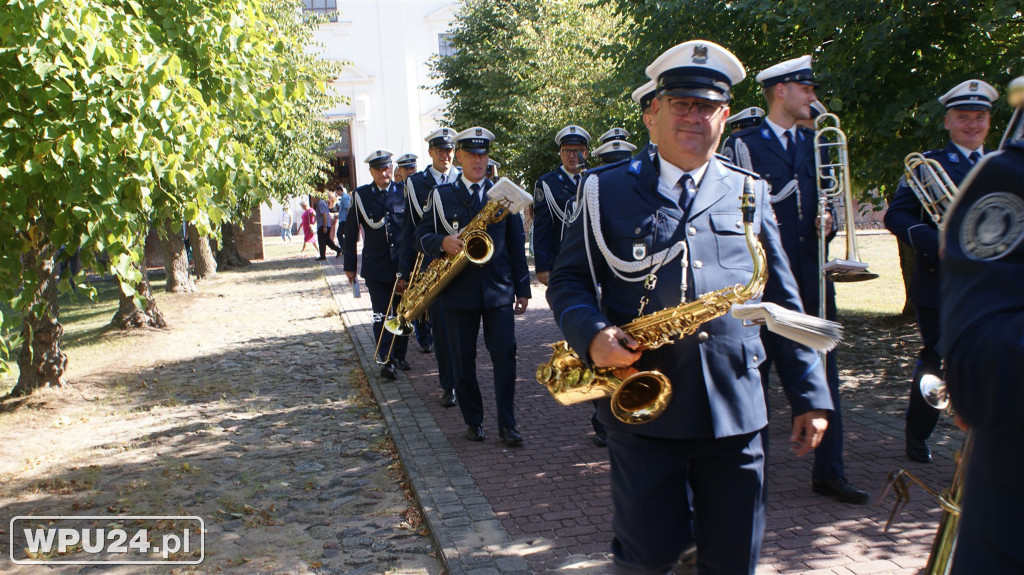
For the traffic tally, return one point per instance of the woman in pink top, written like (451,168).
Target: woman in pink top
(307,222)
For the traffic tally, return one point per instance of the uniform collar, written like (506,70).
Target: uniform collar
(566,172)
(778,130)
(437,175)
(668,178)
(967,153)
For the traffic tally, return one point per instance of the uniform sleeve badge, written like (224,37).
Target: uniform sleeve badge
(993,226)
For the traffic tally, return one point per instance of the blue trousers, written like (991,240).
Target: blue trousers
(500,341)
(380,296)
(442,348)
(649,477)
(921,417)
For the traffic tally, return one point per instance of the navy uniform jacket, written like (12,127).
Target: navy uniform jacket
(548,226)
(381,246)
(758,150)
(498,282)
(715,378)
(982,314)
(418,187)
(908,221)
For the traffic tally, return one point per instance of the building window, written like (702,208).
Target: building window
(444,45)
(327,8)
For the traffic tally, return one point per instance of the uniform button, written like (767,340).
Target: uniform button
(739,224)
(698,264)
(702,336)
(755,357)
(692,231)
(637,231)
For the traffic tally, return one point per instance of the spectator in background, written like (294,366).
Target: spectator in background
(307,221)
(286,224)
(344,205)
(324,219)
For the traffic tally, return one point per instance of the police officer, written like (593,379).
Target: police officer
(614,151)
(620,134)
(644,96)
(378,210)
(783,154)
(982,318)
(710,434)
(406,166)
(492,170)
(967,121)
(554,198)
(751,116)
(491,293)
(419,187)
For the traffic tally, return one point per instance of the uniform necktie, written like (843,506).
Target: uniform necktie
(689,191)
(476,194)
(790,146)
(974,157)
(444,179)
(576,181)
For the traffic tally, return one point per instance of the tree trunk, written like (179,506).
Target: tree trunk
(907,268)
(129,315)
(41,362)
(202,255)
(176,260)
(228,256)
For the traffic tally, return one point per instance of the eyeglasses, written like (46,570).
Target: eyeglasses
(572,151)
(705,109)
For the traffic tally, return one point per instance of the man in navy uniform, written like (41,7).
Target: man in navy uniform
(614,151)
(982,319)
(554,198)
(406,166)
(378,210)
(620,134)
(783,154)
(492,293)
(632,241)
(967,121)
(419,187)
(644,96)
(751,116)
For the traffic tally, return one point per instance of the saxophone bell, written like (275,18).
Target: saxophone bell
(642,397)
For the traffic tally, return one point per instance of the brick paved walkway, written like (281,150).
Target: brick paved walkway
(546,507)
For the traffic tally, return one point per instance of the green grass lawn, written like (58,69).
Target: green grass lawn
(883,295)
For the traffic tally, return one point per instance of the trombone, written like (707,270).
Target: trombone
(930,183)
(833,169)
(390,325)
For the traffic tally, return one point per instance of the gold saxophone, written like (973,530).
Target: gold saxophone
(477,248)
(641,396)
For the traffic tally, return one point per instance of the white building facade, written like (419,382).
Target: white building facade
(385,47)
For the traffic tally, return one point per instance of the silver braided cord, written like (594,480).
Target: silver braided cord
(373,225)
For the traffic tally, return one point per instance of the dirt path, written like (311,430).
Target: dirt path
(251,411)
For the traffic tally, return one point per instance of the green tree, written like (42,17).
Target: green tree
(524,69)
(119,114)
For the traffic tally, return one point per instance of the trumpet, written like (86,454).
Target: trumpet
(930,183)
(832,162)
(940,559)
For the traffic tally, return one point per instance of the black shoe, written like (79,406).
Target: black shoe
(448,398)
(510,436)
(388,371)
(918,450)
(320,259)
(839,489)
(338,254)
(402,364)
(601,439)
(475,433)
(426,348)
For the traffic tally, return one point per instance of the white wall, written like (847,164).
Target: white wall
(387,44)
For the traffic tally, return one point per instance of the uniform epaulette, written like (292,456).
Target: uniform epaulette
(723,158)
(736,168)
(748,130)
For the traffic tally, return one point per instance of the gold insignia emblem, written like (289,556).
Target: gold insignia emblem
(700,54)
